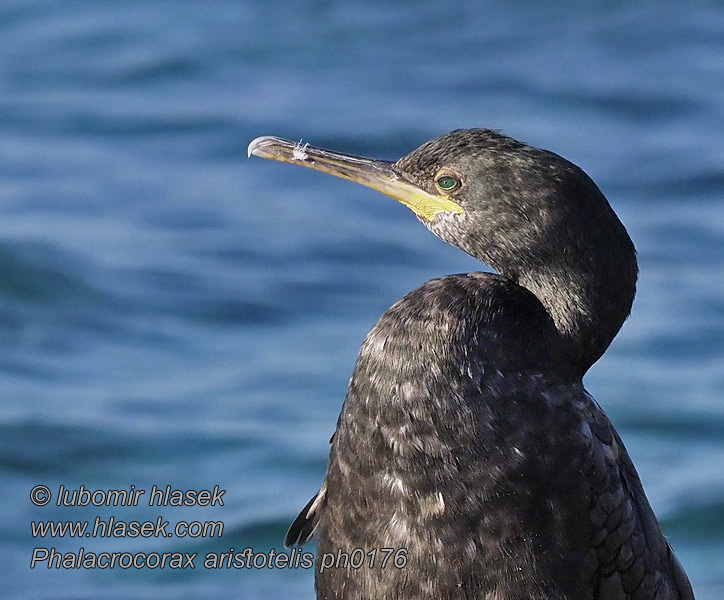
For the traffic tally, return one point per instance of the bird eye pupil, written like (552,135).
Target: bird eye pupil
(446,182)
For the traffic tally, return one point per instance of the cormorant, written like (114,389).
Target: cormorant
(466,437)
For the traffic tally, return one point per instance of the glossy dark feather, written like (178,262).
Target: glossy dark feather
(302,529)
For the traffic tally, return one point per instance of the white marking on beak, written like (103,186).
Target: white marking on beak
(299,151)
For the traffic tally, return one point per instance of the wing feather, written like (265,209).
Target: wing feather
(634,560)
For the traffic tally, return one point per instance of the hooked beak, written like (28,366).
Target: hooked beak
(380,175)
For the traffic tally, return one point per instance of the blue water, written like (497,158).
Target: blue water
(173,313)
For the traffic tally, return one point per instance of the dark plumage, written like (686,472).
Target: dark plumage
(467,436)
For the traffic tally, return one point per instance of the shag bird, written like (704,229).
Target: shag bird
(466,437)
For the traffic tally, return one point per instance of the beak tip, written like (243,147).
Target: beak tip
(253,146)
(258,144)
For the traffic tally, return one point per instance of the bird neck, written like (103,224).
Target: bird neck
(589,301)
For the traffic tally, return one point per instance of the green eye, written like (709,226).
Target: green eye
(447,182)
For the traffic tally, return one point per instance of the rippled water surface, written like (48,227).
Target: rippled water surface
(172,313)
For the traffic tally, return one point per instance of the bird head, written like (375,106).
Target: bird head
(530,214)
(519,209)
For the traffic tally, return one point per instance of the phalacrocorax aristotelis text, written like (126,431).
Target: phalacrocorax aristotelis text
(466,437)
